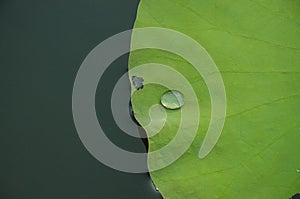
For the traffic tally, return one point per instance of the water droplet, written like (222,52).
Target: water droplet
(138,82)
(172,99)
(296,196)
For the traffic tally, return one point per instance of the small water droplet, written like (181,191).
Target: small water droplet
(298,170)
(296,196)
(138,82)
(172,99)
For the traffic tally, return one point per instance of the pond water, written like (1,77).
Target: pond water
(43,45)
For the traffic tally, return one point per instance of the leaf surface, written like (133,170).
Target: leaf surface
(256,47)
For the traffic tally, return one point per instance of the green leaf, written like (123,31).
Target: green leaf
(256,47)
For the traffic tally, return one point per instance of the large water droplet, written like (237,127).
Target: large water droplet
(172,99)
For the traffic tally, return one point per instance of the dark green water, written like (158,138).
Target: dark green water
(42,44)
